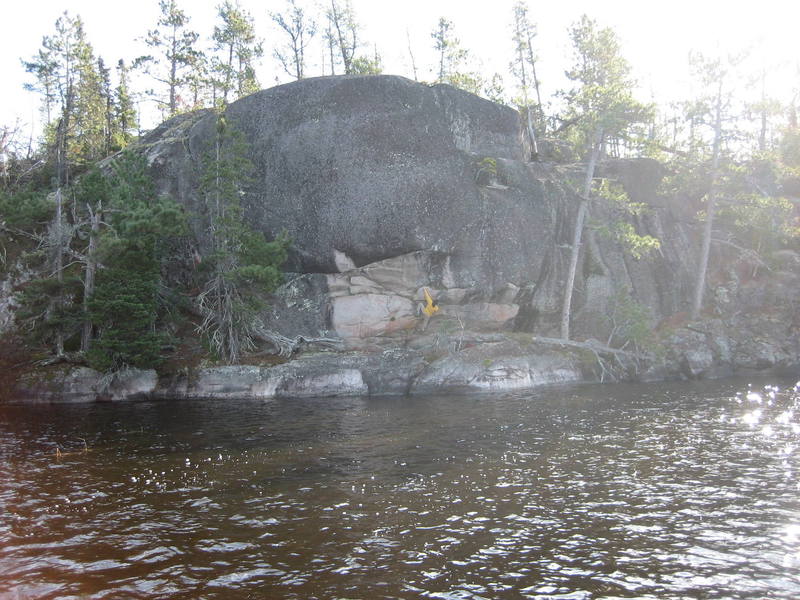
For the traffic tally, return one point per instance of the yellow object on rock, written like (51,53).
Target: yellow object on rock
(430,305)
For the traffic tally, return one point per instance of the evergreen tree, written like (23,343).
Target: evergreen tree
(242,266)
(713,109)
(237,48)
(67,76)
(126,304)
(107,97)
(523,67)
(125,117)
(789,146)
(602,105)
(765,109)
(44,68)
(363,65)
(452,58)
(174,54)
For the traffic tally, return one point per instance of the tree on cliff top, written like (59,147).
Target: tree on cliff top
(342,34)
(237,48)
(300,29)
(174,53)
(601,104)
(67,76)
(523,67)
(451,58)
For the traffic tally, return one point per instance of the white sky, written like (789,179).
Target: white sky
(656,37)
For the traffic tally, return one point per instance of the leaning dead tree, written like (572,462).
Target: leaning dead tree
(613,363)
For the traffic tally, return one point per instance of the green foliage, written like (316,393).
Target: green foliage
(363,65)
(124,308)
(238,48)
(602,97)
(27,209)
(761,223)
(494,89)
(81,112)
(486,171)
(138,215)
(261,260)
(40,318)
(125,118)
(631,324)
(637,245)
(243,266)
(452,59)
(91,189)
(687,178)
(342,33)
(523,66)
(619,227)
(174,56)
(790,147)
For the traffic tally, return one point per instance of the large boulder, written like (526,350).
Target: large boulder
(361,169)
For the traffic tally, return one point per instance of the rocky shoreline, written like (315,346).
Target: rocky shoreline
(480,363)
(389,190)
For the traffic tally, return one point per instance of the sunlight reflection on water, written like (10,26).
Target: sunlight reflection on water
(659,491)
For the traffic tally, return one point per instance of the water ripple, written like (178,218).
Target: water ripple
(669,491)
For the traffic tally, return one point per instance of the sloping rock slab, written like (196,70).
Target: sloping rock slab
(500,366)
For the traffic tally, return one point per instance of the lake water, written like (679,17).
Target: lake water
(687,490)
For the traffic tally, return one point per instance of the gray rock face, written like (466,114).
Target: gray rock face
(82,384)
(496,366)
(378,181)
(360,169)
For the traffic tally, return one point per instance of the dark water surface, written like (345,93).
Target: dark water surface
(657,491)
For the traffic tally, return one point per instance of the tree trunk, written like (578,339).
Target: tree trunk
(705,248)
(59,268)
(411,54)
(89,276)
(536,83)
(532,135)
(173,79)
(569,285)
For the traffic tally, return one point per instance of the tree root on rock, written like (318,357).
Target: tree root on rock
(606,356)
(286,346)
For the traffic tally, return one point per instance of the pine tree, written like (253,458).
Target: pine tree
(242,266)
(523,66)
(67,76)
(174,55)
(602,105)
(125,117)
(452,58)
(714,110)
(126,303)
(44,68)
(237,48)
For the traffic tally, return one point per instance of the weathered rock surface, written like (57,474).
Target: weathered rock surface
(81,384)
(380,185)
(376,179)
(499,365)
(378,174)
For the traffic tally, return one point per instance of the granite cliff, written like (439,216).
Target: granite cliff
(385,187)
